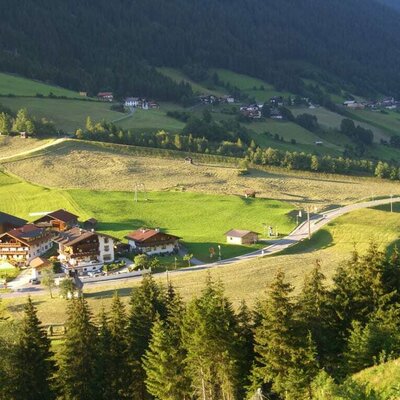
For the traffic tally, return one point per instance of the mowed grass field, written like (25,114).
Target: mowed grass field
(249,85)
(18,86)
(68,115)
(11,145)
(248,279)
(94,166)
(150,120)
(199,219)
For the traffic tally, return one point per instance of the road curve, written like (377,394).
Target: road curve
(317,221)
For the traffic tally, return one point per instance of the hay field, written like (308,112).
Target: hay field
(75,164)
(11,145)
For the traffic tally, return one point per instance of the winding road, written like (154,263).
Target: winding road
(317,221)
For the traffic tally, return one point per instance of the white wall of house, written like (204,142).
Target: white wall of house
(233,240)
(167,248)
(39,249)
(31,252)
(106,248)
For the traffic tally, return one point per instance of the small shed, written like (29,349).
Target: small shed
(241,237)
(39,264)
(188,160)
(249,193)
(24,135)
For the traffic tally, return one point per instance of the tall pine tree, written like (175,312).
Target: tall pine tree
(32,365)
(78,374)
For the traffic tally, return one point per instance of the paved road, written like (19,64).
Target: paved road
(317,221)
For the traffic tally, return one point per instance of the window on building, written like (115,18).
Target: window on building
(106,248)
(106,240)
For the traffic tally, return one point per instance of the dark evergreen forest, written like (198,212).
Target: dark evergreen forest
(98,45)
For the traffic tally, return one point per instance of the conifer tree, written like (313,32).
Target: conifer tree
(32,366)
(281,356)
(146,302)
(314,313)
(209,338)
(117,352)
(78,361)
(104,358)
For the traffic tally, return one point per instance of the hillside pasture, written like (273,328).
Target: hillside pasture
(200,219)
(18,86)
(248,279)
(11,145)
(68,115)
(97,166)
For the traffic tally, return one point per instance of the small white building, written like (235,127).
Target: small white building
(84,251)
(241,237)
(132,102)
(152,241)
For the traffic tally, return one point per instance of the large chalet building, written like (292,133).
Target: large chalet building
(23,244)
(84,251)
(60,220)
(152,241)
(9,222)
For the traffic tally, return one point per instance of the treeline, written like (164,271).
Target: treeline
(23,122)
(224,139)
(280,42)
(328,164)
(289,347)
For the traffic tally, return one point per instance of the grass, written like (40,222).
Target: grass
(330,119)
(201,226)
(383,379)
(99,166)
(388,121)
(68,115)
(248,280)
(151,120)
(179,76)
(11,145)
(18,86)
(8,272)
(249,85)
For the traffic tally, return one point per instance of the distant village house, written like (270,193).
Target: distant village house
(105,96)
(60,220)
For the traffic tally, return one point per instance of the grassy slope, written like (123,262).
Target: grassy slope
(18,86)
(100,166)
(247,280)
(10,145)
(200,227)
(389,122)
(179,76)
(250,86)
(68,115)
(384,379)
(150,120)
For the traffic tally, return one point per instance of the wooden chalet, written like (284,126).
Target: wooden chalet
(23,244)
(152,241)
(9,222)
(83,251)
(60,220)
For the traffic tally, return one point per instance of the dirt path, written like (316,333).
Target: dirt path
(34,150)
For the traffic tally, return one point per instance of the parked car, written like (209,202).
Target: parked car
(34,281)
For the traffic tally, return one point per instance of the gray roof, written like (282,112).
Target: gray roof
(239,233)
(10,219)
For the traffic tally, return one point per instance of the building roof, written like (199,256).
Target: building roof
(143,234)
(76,235)
(63,215)
(27,234)
(39,262)
(11,219)
(239,233)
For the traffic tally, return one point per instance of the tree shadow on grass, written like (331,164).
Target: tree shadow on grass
(108,294)
(19,308)
(128,225)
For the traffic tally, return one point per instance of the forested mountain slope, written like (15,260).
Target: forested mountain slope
(99,44)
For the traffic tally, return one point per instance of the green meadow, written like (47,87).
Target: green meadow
(199,219)
(18,86)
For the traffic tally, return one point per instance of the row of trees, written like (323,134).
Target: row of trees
(23,122)
(312,162)
(288,347)
(108,132)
